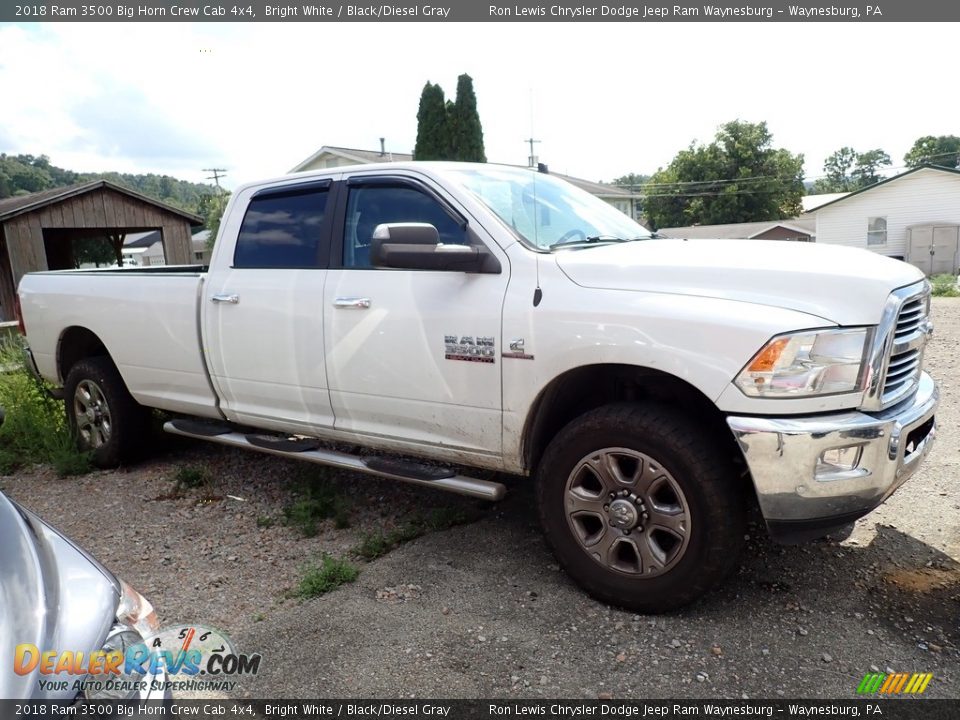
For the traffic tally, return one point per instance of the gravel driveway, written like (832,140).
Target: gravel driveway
(482,610)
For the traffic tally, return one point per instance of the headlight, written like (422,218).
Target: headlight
(136,620)
(822,362)
(135,611)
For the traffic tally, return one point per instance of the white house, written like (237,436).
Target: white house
(914,216)
(146,249)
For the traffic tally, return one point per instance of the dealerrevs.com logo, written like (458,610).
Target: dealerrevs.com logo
(177,658)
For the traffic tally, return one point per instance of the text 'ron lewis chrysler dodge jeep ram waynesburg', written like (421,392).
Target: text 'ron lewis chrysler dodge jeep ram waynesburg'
(499,318)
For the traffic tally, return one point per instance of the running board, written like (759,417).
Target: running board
(391,469)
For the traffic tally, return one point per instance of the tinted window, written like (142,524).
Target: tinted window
(368,207)
(282,231)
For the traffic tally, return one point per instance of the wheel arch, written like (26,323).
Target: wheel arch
(78,343)
(588,387)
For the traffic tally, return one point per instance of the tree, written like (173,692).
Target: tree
(449,130)
(632,181)
(466,133)
(868,164)
(433,135)
(837,168)
(739,177)
(848,170)
(943,150)
(211,210)
(96,250)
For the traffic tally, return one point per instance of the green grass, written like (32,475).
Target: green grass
(945,285)
(318,499)
(35,429)
(329,575)
(264,521)
(377,544)
(191,476)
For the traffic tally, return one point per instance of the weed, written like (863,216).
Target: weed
(373,545)
(319,499)
(191,476)
(329,575)
(378,544)
(35,429)
(264,521)
(945,285)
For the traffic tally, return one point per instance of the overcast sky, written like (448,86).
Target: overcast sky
(605,99)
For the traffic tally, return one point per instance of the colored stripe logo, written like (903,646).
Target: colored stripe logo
(894,683)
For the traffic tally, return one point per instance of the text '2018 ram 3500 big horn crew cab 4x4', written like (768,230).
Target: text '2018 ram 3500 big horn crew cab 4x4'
(499,318)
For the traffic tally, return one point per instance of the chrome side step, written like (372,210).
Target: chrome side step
(460,484)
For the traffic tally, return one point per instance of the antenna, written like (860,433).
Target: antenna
(532,160)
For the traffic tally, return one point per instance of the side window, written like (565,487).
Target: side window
(368,207)
(282,230)
(877,231)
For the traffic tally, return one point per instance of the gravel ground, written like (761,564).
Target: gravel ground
(482,610)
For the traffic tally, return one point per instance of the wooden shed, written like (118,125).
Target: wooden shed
(37,231)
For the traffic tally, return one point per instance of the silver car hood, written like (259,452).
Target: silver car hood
(52,595)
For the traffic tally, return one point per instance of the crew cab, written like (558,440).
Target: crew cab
(491,317)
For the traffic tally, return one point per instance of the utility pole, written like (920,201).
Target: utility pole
(532,159)
(217,174)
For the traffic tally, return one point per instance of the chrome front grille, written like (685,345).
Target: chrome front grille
(905,360)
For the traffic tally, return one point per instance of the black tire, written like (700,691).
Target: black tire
(682,479)
(115,427)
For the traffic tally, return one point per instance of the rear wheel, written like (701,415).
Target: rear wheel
(104,417)
(641,507)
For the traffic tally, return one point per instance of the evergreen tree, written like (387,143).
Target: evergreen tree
(466,131)
(433,136)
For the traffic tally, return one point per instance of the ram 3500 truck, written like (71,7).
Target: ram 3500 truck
(499,318)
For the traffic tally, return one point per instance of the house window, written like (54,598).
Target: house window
(876,231)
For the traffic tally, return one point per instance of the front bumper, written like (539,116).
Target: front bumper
(800,496)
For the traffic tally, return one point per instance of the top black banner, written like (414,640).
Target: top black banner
(478,11)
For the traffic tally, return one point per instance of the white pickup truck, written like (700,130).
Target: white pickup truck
(498,318)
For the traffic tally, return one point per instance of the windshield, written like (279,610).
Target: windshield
(545,211)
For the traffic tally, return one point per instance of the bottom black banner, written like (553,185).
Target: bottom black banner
(886,709)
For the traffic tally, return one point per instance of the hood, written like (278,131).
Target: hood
(52,595)
(843,285)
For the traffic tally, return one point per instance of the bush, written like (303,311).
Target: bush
(945,285)
(331,574)
(35,429)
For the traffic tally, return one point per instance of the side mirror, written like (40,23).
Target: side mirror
(417,246)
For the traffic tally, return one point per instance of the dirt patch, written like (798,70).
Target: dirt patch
(924,580)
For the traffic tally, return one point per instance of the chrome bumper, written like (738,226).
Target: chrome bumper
(801,496)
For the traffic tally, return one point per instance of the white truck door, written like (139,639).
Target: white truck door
(263,310)
(412,355)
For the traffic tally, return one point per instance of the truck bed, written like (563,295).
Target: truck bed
(147,317)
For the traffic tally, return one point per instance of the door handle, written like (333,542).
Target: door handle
(232,299)
(351,303)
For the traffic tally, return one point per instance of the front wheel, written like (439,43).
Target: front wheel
(641,508)
(105,419)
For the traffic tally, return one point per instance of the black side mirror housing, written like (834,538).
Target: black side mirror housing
(417,246)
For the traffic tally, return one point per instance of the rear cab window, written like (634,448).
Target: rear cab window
(285,227)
